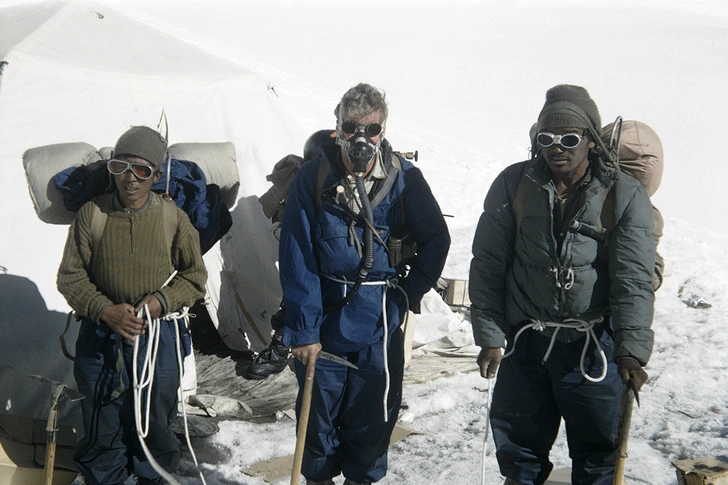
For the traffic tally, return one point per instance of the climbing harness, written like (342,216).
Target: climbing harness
(575,324)
(392,283)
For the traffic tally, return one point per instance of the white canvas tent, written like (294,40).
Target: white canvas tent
(83,72)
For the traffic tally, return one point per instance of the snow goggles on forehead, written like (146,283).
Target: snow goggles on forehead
(350,127)
(569,140)
(140,170)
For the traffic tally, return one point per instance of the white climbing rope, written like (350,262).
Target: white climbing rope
(385,324)
(575,324)
(142,383)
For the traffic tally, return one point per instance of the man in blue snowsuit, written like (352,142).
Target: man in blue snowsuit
(576,312)
(337,281)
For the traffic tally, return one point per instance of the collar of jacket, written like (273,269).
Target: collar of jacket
(605,175)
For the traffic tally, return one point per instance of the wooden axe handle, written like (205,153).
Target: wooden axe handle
(303,422)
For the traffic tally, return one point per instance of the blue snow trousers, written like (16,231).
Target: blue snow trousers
(110,450)
(531,397)
(346,428)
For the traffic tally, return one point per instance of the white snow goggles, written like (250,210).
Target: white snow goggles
(350,127)
(140,170)
(569,140)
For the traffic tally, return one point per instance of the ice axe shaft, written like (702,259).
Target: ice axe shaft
(629,394)
(57,391)
(303,421)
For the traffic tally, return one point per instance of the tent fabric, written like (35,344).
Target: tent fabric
(82,71)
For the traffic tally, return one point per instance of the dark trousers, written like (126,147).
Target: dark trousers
(530,398)
(346,429)
(110,450)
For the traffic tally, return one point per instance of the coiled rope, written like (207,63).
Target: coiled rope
(143,383)
(573,323)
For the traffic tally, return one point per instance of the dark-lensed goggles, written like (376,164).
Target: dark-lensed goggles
(350,127)
(140,170)
(568,140)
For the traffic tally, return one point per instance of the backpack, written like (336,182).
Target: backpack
(632,147)
(63,177)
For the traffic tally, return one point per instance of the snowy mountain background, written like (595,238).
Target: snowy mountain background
(465,81)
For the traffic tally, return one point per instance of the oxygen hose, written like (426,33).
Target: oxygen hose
(368,254)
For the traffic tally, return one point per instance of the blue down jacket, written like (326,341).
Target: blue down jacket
(515,277)
(316,244)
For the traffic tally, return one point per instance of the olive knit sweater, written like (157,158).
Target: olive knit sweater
(131,259)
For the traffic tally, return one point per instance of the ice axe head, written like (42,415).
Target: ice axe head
(58,389)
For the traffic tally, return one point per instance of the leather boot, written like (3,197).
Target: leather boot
(350,482)
(510,481)
(325,482)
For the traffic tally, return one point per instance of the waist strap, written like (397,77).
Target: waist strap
(583,326)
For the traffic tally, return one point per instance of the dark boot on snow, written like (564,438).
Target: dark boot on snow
(510,481)
(271,360)
(349,482)
(325,482)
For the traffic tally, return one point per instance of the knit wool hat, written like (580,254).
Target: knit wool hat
(569,106)
(142,142)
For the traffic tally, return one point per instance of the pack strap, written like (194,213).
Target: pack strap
(519,200)
(169,221)
(323,172)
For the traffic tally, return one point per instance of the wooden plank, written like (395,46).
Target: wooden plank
(702,471)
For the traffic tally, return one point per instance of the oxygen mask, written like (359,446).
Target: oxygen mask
(359,148)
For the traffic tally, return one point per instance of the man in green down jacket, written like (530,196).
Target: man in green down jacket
(121,250)
(574,307)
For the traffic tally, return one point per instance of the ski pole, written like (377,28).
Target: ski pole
(303,421)
(487,427)
(629,395)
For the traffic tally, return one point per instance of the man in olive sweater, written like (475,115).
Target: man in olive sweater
(121,250)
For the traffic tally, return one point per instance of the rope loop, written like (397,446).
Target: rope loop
(573,323)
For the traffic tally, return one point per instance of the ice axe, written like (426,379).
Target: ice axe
(57,391)
(303,421)
(629,396)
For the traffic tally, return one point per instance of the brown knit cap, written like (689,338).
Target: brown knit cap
(142,142)
(569,106)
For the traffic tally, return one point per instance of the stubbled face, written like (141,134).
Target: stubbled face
(375,117)
(133,191)
(568,161)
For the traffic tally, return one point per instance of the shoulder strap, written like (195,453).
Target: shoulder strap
(98,223)
(169,219)
(323,172)
(519,200)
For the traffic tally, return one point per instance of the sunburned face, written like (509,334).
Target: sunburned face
(567,162)
(133,191)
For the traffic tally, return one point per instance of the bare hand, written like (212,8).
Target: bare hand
(122,319)
(488,361)
(155,307)
(304,353)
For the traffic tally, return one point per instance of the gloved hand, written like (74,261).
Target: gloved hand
(631,369)
(488,361)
